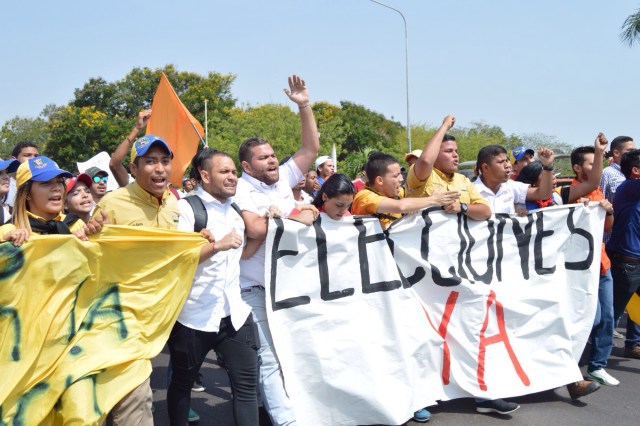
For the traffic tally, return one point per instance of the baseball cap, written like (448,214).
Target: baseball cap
(321,160)
(9,165)
(415,153)
(142,145)
(83,177)
(519,152)
(39,169)
(93,171)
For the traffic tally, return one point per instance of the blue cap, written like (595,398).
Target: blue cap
(39,169)
(519,152)
(9,165)
(142,145)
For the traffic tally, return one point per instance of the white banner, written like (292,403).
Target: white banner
(507,306)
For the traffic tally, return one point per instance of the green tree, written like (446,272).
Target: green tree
(18,129)
(631,29)
(368,129)
(275,123)
(78,133)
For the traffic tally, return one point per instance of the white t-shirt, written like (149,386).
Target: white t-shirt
(510,193)
(215,292)
(256,196)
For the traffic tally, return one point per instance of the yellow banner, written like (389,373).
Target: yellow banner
(633,308)
(79,321)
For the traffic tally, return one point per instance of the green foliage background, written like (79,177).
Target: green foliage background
(102,114)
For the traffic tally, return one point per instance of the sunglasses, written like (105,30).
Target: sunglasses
(97,179)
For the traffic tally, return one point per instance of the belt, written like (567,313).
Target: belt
(248,289)
(623,257)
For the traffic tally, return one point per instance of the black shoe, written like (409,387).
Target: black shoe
(499,406)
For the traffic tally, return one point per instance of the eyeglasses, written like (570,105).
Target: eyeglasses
(97,179)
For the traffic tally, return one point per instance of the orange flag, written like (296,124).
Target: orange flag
(173,122)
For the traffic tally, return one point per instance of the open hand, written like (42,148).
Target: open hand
(297,91)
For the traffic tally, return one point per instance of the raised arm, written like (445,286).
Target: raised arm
(593,176)
(544,191)
(424,165)
(310,142)
(122,151)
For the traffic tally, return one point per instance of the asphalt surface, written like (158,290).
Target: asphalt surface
(618,405)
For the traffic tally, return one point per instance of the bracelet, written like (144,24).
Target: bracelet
(307,105)
(548,168)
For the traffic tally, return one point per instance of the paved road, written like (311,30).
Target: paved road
(610,405)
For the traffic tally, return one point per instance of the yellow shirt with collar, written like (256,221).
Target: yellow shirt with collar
(437,180)
(367,202)
(133,206)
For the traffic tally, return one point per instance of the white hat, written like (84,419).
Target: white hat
(321,160)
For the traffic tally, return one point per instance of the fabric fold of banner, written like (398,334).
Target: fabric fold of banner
(436,307)
(80,320)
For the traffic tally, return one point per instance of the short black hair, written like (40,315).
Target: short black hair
(20,146)
(198,161)
(447,137)
(630,159)
(337,184)
(244,152)
(378,164)
(487,154)
(618,141)
(577,155)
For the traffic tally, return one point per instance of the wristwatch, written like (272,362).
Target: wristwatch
(463,208)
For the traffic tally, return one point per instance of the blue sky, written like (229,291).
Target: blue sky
(555,67)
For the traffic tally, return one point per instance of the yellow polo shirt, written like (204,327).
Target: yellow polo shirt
(133,206)
(437,180)
(367,202)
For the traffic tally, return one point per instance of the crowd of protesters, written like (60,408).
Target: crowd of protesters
(225,310)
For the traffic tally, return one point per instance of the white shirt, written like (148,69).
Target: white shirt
(215,292)
(256,196)
(510,193)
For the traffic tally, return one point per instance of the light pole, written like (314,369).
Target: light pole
(406,57)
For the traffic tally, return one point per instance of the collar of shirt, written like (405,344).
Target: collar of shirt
(258,184)
(141,193)
(210,199)
(35,216)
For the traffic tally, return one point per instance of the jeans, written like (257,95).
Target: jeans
(271,383)
(602,332)
(626,281)
(189,347)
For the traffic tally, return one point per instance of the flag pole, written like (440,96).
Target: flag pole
(206,124)
(198,133)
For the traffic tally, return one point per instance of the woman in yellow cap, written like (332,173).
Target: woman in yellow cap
(39,204)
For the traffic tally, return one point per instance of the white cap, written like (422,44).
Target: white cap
(321,160)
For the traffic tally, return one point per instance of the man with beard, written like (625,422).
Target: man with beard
(214,316)
(265,183)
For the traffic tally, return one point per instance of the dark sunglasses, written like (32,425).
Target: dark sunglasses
(97,179)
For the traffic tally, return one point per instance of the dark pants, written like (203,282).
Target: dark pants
(189,348)
(626,281)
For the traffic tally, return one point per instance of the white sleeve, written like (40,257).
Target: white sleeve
(520,192)
(187,219)
(292,172)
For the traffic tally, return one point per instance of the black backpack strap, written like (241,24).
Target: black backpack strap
(199,212)
(1,215)
(236,208)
